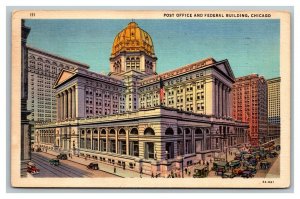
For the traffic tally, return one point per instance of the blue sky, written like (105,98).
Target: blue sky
(251,46)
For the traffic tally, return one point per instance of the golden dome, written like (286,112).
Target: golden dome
(132,39)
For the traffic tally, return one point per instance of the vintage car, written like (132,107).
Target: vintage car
(220,164)
(247,156)
(54,162)
(62,156)
(237,171)
(252,169)
(93,166)
(238,157)
(228,175)
(247,174)
(253,161)
(200,171)
(265,165)
(234,164)
(220,171)
(272,154)
(38,149)
(31,168)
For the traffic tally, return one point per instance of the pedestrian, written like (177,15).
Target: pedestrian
(115,169)
(152,175)
(141,170)
(185,170)
(71,156)
(123,166)
(189,172)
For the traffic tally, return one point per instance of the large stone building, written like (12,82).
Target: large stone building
(141,120)
(250,105)
(273,108)
(43,69)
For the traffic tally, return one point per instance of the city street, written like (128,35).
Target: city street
(67,169)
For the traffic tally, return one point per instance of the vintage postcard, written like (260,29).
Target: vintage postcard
(153,99)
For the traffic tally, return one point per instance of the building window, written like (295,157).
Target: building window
(149,150)
(134,148)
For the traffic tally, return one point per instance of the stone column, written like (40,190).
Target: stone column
(127,141)
(79,137)
(98,139)
(69,103)
(107,139)
(216,98)
(62,106)
(220,99)
(92,139)
(73,102)
(224,101)
(65,105)
(58,107)
(116,140)
(85,135)
(184,138)
(193,141)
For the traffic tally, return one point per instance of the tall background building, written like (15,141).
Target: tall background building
(250,105)
(273,108)
(43,69)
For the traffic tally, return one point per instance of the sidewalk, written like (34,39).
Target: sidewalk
(104,167)
(274,171)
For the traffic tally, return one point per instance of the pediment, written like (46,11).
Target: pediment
(226,69)
(63,77)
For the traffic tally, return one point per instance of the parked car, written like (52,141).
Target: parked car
(253,162)
(237,171)
(54,162)
(265,165)
(234,163)
(220,164)
(228,175)
(200,171)
(62,156)
(38,149)
(31,168)
(220,171)
(252,169)
(238,157)
(247,174)
(247,156)
(93,165)
(273,154)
